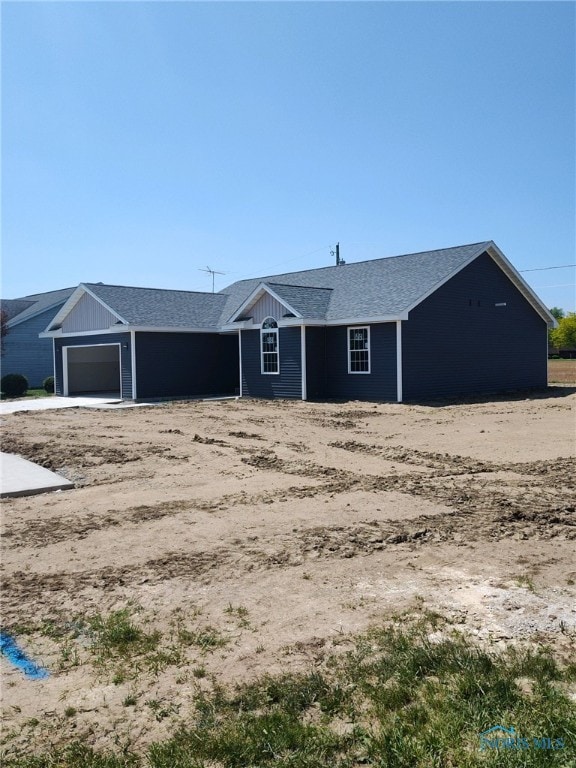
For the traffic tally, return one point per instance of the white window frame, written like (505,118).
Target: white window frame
(366,328)
(262,332)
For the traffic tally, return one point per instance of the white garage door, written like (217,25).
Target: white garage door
(93,369)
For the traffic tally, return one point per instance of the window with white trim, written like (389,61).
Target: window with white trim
(359,349)
(269,346)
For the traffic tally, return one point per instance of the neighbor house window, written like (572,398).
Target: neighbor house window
(269,346)
(359,349)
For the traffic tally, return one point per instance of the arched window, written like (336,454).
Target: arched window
(269,346)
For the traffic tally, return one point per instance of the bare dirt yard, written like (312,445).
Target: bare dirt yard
(243,537)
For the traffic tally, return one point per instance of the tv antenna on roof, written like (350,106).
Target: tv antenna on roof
(212,272)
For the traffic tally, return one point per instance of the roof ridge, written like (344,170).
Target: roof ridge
(306,287)
(145,288)
(365,261)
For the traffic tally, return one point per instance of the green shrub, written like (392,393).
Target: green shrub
(48,384)
(14,385)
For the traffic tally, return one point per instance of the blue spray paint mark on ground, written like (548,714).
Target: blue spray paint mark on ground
(9,648)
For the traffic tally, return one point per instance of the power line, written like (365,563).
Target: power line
(286,261)
(541,269)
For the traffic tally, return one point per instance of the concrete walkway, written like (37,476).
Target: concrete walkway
(46,403)
(20,477)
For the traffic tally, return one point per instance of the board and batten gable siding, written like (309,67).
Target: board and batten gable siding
(106,338)
(88,315)
(186,364)
(26,353)
(266,306)
(287,383)
(459,342)
(380,383)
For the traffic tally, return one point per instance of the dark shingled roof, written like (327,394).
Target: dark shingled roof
(162,308)
(365,289)
(27,306)
(309,302)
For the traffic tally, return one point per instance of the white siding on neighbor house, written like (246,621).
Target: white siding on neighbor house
(266,306)
(88,315)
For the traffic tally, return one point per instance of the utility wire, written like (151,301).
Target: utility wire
(541,269)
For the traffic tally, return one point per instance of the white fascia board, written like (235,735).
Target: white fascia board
(481,248)
(73,334)
(312,321)
(69,305)
(140,328)
(256,294)
(168,329)
(512,273)
(245,325)
(368,320)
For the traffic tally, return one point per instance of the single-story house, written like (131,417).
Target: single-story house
(23,351)
(413,327)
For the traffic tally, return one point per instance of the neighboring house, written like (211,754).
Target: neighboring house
(419,326)
(23,351)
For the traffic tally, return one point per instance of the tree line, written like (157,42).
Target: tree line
(564,336)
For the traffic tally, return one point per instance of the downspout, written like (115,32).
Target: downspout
(398,361)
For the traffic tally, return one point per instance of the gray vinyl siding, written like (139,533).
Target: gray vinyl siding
(267,306)
(380,383)
(186,364)
(457,342)
(287,383)
(106,338)
(88,315)
(27,354)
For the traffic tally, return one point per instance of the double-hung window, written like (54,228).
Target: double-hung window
(359,349)
(269,346)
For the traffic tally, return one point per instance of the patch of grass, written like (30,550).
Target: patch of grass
(118,636)
(207,638)
(526,581)
(240,612)
(410,695)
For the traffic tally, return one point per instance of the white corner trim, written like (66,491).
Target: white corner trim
(54,362)
(303,361)
(398,361)
(240,356)
(133,363)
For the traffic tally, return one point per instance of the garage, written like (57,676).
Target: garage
(92,369)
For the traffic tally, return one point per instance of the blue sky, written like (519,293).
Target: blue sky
(144,141)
